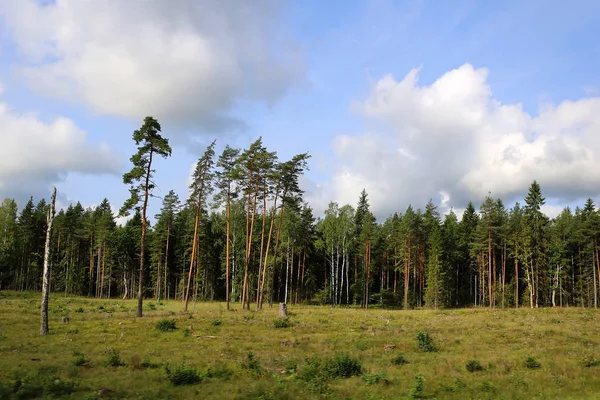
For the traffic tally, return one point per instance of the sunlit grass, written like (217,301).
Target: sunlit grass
(243,354)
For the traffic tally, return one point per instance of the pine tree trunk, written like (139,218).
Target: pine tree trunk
(143,241)
(227,235)
(193,256)
(103,267)
(46,272)
(262,247)
(517,276)
(166,259)
(264,273)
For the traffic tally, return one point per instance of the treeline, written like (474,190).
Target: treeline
(246,235)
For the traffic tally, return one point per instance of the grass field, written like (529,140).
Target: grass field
(103,351)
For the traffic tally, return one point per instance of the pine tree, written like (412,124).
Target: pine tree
(201,187)
(535,241)
(150,143)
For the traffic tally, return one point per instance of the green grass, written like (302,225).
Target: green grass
(104,351)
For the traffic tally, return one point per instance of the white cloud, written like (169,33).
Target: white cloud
(182,61)
(453,137)
(35,154)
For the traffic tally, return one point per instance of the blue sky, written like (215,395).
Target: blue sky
(309,76)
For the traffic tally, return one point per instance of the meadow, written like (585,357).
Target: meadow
(104,351)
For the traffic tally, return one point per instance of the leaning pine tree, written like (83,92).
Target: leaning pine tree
(150,143)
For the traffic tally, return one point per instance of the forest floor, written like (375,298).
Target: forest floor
(513,354)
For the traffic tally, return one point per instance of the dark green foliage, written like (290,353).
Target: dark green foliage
(342,366)
(79,310)
(183,375)
(474,366)
(591,363)
(219,371)
(166,325)
(399,360)
(281,323)
(44,383)
(113,358)
(532,363)
(416,392)
(312,374)
(372,379)
(252,364)
(80,359)
(425,342)
(216,322)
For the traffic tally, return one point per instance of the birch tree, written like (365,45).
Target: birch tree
(46,272)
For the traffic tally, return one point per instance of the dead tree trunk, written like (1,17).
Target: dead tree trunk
(46,276)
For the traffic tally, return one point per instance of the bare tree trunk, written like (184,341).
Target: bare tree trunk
(46,275)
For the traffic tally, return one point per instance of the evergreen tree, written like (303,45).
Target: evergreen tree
(150,143)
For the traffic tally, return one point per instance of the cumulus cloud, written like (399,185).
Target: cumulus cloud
(185,62)
(35,154)
(452,142)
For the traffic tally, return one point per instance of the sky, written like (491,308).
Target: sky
(410,100)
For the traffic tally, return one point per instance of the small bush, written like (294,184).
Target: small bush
(375,378)
(362,345)
(399,360)
(591,363)
(222,372)
(186,332)
(79,310)
(532,363)
(281,323)
(252,364)
(342,366)
(416,392)
(151,306)
(425,342)
(311,373)
(291,366)
(216,322)
(183,375)
(114,358)
(166,325)
(474,366)
(80,359)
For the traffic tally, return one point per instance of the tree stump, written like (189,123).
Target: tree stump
(282,310)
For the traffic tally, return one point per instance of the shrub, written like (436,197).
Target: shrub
(216,322)
(79,310)
(183,375)
(281,323)
(114,358)
(80,359)
(375,378)
(474,366)
(252,364)
(416,392)
(591,363)
(342,366)
(166,325)
(532,363)
(311,373)
(219,372)
(425,342)
(362,345)
(399,360)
